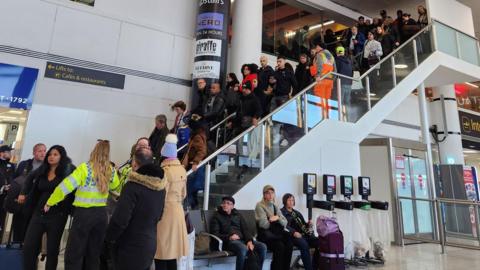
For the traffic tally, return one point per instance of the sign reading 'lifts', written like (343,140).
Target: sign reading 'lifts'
(211,40)
(84,75)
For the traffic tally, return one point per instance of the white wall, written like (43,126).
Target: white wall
(147,35)
(406,113)
(374,163)
(318,153)
(452,13)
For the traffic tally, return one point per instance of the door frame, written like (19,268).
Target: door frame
(391,144)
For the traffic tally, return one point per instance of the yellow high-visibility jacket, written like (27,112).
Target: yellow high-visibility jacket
(87,194)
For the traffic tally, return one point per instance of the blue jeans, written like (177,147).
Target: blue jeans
(195,183)
(240,249)
(304,244)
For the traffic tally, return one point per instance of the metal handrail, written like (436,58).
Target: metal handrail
(211,129)
(223,121)
(221,149)
(405,44)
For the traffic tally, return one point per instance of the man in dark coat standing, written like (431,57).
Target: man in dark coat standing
(231,227)
(302,73)
(264,72)
(132,232)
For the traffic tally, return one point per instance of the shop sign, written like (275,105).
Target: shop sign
(469,124)
(17,86)
(84,75)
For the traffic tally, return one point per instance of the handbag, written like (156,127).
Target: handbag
(252,262)
(202,244)
(373,59)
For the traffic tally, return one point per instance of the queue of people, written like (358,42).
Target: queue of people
(149,199)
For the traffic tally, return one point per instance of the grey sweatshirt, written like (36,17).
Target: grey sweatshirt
(264,210)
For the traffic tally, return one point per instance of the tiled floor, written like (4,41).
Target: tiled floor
(429,257)
(413,257)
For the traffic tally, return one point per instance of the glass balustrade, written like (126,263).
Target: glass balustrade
(255,147)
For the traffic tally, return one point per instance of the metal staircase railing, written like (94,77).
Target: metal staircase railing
(228,169)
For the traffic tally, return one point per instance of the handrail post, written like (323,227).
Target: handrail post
(477,219)
(206,188)
(441,227)
(369,98)
(262,147)
(394,73)
(339,102)
(434,39)
(415,51)
(457,40)
(305,114)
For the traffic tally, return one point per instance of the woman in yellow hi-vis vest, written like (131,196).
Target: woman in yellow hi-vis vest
(92,181)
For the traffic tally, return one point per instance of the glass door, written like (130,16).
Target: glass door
(413,190)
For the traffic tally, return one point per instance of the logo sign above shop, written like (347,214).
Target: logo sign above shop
(17,86)
(470,124)
(84,75)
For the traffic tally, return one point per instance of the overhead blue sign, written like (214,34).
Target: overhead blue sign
(17,86)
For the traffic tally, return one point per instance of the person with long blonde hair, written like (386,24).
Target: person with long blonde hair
(92,181)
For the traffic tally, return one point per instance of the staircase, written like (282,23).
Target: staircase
(375,95)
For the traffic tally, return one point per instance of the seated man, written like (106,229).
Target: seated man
(230,226)
(302,233)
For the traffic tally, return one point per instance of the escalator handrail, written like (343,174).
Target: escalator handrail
(304,91)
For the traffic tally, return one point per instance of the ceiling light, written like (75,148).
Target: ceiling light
(290,34)
(472,85)
(401,66)
(320,25)
(372,94)
(470,151)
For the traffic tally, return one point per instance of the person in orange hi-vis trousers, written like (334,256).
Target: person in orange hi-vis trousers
(323,64)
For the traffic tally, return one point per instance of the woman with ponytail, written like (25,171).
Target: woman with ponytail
(92,181)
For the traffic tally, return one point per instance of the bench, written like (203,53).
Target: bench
(200,220)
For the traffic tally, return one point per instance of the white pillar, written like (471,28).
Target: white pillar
(246,33)
(451,150)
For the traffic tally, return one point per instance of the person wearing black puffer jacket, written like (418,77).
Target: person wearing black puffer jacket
(302,73)
(231,227)
(132,232)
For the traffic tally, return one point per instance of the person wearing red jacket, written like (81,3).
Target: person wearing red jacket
(249,72)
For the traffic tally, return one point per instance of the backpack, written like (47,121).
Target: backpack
(326,226)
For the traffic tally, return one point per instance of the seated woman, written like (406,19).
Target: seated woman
(272,230)
(301,232)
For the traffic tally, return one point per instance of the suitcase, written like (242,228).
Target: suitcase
(11,255)
(331,254)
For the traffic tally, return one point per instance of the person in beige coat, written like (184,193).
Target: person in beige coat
(172,242)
